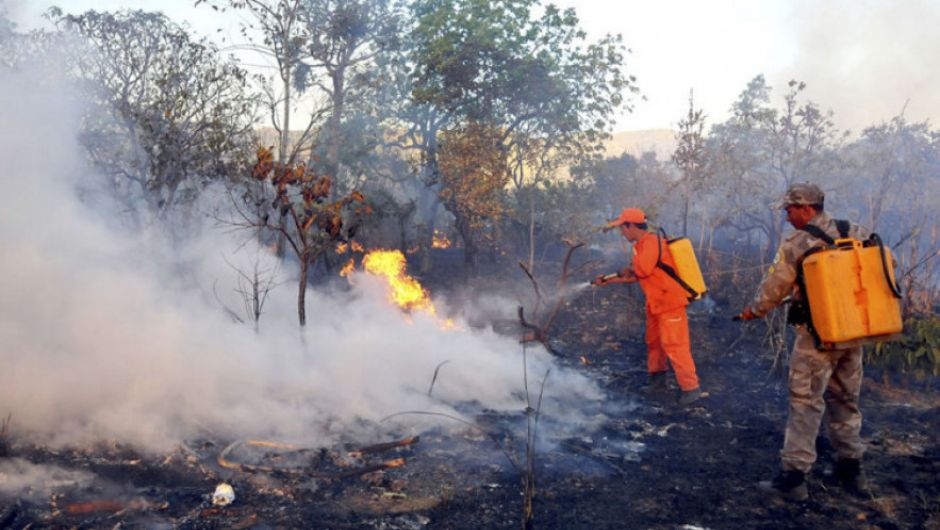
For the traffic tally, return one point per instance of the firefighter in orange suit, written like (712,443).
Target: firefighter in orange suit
(667,326)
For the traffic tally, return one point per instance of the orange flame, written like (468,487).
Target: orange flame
(341,248)
(397,462)
(439,239)
(348,268)
(356,246)
(405,290)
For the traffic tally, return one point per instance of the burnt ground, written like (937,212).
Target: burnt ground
(649,464)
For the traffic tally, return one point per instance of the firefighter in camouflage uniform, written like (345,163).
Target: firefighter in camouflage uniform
(820,381)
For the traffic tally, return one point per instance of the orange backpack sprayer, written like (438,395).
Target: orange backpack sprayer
(687,272)
(852,295)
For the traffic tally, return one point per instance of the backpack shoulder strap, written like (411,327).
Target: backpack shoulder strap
(818,233)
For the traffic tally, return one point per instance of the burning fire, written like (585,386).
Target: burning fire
(439,239)
(348,268)
(406,291)
(342,248)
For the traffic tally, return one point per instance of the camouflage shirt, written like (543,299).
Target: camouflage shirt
(781,277)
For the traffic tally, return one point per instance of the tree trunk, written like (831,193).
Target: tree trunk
(302,289)
(531,263)
(469,248)
(332,167)
(685,213)
(426,237)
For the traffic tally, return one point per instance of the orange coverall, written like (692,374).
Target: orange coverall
(667,326)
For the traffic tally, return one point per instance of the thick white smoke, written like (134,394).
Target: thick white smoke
(111,336)
(866,60)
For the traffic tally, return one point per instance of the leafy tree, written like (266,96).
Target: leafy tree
(168,115)
(762,150)
(549,94)
(474,174)
(342,58)
(691,158)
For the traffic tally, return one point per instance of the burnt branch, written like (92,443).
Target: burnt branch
(540,331)
(535,287)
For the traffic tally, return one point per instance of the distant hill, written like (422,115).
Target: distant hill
(635,143)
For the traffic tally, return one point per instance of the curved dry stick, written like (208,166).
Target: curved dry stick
(536,334)
(434,377)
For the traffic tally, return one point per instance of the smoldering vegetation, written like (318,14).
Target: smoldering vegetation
(132,346)
(178,233)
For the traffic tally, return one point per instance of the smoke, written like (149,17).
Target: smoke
(119,337)
(865,60)
(22,479)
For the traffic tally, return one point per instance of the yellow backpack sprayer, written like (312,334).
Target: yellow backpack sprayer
(687,272)
(851,294)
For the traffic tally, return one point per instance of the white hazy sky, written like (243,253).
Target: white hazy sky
(864,59)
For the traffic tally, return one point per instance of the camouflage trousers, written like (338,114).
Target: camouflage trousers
(822,382)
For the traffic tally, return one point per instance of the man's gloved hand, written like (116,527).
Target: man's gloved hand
(604,279)
(745,315)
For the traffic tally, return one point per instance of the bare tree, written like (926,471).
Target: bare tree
(173,115)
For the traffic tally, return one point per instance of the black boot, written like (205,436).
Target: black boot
(656,384)
(686,398)
(848,473)
(790,485)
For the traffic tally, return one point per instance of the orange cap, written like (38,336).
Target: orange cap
(629,215)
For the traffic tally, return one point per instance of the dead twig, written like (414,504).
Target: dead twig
(528,479)
(434,377)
